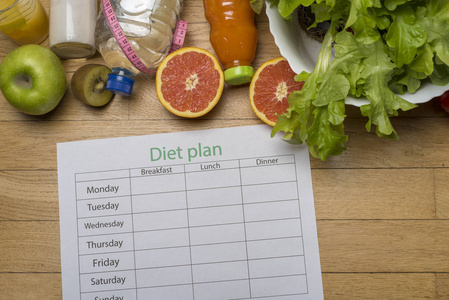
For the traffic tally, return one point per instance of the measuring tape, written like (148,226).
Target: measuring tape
(117,31)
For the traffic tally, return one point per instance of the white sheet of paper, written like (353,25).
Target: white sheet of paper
(200,215)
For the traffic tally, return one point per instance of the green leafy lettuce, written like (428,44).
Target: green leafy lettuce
(382,48)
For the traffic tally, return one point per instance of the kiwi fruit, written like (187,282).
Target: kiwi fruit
(88,84)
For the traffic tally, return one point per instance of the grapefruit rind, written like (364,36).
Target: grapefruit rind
(188,113)
(252,86)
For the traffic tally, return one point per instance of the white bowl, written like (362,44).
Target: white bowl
(302,51)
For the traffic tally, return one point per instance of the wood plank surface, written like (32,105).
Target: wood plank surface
(39,139)
(384,246)
(379,286)
(442,193)
(33,194)
(374,193)
(30,286)
(442,284)
(362,246)
(382,207)
(37,286)
(30,247)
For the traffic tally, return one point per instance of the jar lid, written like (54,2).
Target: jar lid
(73,50)
(239,75)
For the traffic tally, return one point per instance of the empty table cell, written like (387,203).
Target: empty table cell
(217,234)
(278,286)
(215,215)
(160,220)
(213,179)
(236,289)
(220,271)
(157,184)
(163,276)
(271,267)
(275,248)
(161,239)
(268,174)
(214,197)
(159,202)
(176,292)
(270,192)
(162,257)
(273,229)
(218,253)
(93,176)
(271,210)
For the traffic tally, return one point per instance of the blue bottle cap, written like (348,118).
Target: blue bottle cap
(119,84)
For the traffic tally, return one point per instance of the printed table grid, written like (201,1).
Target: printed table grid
(184,230)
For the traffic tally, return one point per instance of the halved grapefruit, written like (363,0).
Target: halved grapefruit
(189,82)
(270,87)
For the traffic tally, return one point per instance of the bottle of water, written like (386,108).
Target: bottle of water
(148,26)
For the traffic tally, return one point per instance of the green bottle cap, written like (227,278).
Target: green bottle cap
(239,75)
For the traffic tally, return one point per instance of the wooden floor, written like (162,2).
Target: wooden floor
(382,207)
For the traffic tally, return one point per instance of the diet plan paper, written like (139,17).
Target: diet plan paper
(199,215)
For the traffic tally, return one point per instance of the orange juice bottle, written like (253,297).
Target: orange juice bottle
(233,36)
(24,21)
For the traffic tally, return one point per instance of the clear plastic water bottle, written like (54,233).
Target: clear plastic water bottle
(148,25)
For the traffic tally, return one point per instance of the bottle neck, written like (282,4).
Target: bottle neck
(123,72)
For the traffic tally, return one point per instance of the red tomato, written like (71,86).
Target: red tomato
(444,101)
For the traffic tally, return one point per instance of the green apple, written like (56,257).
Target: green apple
(32,79)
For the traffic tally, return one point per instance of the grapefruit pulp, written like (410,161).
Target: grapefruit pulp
(189,82)
(270,87)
